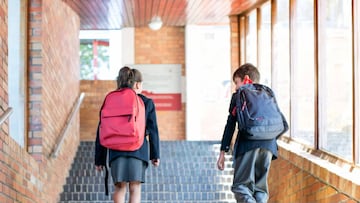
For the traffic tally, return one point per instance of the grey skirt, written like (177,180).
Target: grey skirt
(128,169)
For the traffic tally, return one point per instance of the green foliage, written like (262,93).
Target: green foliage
(87,71)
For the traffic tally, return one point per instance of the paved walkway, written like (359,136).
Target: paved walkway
(187,174)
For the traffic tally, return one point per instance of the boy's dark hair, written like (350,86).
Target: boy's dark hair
(247,69)
(127,77)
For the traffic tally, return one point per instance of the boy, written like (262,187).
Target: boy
(252,158)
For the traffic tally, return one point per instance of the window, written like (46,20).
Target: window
(16,68)
(335,75)
(303,72)
(316,82)
(281,57)
(265,45)
(94,59)
(251,39)
(104,52)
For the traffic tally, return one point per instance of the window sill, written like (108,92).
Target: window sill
(329,169)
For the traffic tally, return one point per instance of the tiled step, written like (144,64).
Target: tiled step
(187,174)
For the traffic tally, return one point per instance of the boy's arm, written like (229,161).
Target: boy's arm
(221,160)
(229,127)
(228,133)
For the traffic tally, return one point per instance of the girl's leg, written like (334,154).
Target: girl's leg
(119,192)
(135,192)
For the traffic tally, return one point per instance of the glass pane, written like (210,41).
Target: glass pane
(281,58)
(335,54)
(94,60)
(265,45)
(303,72)
(16,74)
(251,39)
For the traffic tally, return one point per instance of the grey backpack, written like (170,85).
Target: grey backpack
(258,114)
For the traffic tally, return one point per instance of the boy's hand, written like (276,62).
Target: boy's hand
(155,162)
(221,161)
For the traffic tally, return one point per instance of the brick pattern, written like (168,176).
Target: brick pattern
(29,175)
(3,58)
(35,79)
(165,46)
(187,174)
(60,75)
(296,179)
(60,89)
(19,172)
(20,175)
(95,92)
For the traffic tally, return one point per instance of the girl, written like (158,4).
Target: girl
(128,167)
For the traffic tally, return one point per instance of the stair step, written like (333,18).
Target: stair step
(187,174)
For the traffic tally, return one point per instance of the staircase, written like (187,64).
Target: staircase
(187,174)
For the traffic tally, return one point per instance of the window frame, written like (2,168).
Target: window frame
(356,78)
(324,135)
(244,30)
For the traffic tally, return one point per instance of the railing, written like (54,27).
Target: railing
(67,125)
(5,115)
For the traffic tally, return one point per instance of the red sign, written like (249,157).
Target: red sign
(165,102)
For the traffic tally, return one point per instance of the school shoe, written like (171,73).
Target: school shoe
(244,199)
(261,197)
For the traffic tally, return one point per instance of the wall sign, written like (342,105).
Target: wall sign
(162,83)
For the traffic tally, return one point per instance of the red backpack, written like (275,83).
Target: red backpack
(122,120)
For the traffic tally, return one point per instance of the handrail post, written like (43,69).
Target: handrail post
(5,115)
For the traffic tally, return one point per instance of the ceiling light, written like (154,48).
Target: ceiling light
(155,23)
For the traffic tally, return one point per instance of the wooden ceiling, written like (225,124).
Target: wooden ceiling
(117,14)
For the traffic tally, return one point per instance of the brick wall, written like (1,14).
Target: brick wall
(35,79)
(60,89)
(95,92)
(29,174)
(3,58)
(294,178)
(165,46)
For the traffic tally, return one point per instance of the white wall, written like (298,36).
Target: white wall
(122,49)
(208,75)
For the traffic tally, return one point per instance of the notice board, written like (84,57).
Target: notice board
(162,83)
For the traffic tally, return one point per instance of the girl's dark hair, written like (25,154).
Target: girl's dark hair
(127,77)
(247,69)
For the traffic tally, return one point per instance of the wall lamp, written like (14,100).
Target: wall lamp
(155,23)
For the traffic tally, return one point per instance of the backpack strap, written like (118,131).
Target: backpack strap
(106,181)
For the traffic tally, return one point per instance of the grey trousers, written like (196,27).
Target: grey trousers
(250,176)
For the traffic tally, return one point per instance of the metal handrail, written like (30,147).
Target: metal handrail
(67,125)
(5,115)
